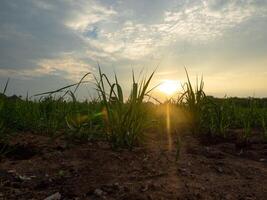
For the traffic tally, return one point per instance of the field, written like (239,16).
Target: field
(193,146)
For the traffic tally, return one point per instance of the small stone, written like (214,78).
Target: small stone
(24,178)
(98,192)
(219,169)
(184,171)
(144,188)
(262,160)
(203,188)
(56,196)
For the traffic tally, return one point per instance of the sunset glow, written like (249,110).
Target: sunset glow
(66,39)
(169,87)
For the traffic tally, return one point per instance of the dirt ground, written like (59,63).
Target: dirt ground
(39,168)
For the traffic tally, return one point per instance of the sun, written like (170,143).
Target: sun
(169,87)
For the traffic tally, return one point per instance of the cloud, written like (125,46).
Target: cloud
(87,13)
(194,21)
(90,28)
(67,38)
(35,34)
(66,67)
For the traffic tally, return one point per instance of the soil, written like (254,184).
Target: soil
(37,168)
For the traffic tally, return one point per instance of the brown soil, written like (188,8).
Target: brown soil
(38,168)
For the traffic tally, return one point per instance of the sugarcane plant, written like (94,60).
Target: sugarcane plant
(125,121)
(3,132)
(194,101)
(219,116)
(264,126)
(248,119)
(81,125)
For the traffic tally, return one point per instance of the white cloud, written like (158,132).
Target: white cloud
(87,12)
(69,67)
(66,66)
(113,34)
(203,22)
(200,21)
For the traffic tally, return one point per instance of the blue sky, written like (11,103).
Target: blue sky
(46,44)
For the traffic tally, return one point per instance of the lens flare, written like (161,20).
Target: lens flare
(169,87)
(168,127)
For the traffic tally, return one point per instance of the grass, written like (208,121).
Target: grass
(123,121)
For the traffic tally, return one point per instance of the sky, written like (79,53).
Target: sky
(47,44)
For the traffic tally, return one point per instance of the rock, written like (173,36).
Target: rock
(144,188)
(184,171)
(262,160)
(203,188)
(56,196)
(12,171)
(98,192)
(24,178)
(219,169)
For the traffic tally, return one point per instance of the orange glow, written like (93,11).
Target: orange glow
(169,87)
